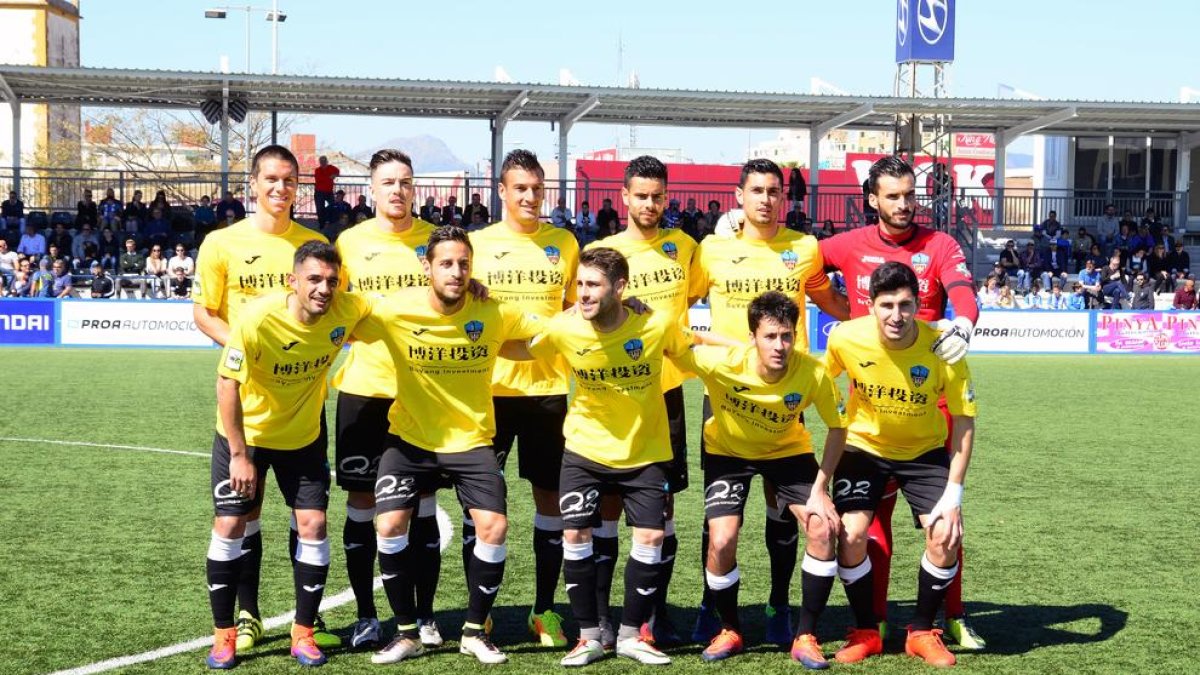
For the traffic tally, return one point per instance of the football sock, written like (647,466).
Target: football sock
(859,589)
(426,554)
(607,548)
(310,569)
(251,569)
(782,536)
(358,540)
(666,568)
(548,560)
(932,582)
(816,582)
(724,590)
(222,567)
(395,567)
(641,577)
(484,577)
(579,573)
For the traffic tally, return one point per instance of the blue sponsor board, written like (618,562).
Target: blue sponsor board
(821,327)
(924,31)
(27,322)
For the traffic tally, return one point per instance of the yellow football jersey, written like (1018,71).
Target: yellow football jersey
(537,273)
(281,365)
(376,263)
(755,419)
(894,393)
(238,263)
(444,365)
(617,417)
(733,271)
(658,276)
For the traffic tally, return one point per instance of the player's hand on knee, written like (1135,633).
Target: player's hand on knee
(819,504)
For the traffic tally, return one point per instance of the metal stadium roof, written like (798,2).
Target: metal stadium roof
(603,105)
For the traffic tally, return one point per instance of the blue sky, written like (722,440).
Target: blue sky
(1099,50)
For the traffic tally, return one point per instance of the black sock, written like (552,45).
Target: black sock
(222,589)
(815,586)
(483,580)
(782,537)
(640,577)
(358,540)
(860,593)
(293,544)
(580,578)
(310,587)
(468,545)
(548,562)
(425,540)
(932,582)
(396,570)
(607,549)
(666,569)
(248,577)
(706,596)
(724,592)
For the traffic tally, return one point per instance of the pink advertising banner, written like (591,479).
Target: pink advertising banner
(1148,332)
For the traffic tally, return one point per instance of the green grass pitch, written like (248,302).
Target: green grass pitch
(1081,525)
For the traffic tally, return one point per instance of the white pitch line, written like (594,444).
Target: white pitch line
(84,444)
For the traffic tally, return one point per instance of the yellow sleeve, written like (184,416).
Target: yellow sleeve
(704,359)
(343,278)
(697,275)
(959,390)
(543,346)
(833,361)
(818,280)
(239,352)
(517,324)
(829,402)
(677,340)
(570,254)
(211,270)
(373,326)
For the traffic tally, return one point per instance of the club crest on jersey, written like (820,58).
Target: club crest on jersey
(337,335)
(920,263)
(792,400)
(474,329)
(918,374)
(634,349)
(789,259)
(420,251)
(552,254)
(671,250)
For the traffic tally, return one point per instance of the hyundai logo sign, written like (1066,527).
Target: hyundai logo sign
(901,22)
(932,19)
(924,31)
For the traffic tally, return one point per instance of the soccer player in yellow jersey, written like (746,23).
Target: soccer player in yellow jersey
(380,257)
(758,393)
(235,265)
(531,264)
(445,343)
(731,272)
(658,259)
(271,415)
(897,431)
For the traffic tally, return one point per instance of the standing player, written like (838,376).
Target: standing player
(658,271)
(235,265)
(271,414)
(445,342)
(897,433)
(759,392)
(731,271)
(380,257)
(532,265)
(943,277)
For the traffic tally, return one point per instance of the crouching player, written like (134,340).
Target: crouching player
(757,394)
(896,431)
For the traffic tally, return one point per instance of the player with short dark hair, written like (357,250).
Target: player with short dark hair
(271,415)
(943,279)
(898,432)
(235,265)
(531,264)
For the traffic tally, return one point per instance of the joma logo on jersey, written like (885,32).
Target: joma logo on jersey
(789,259)
(474,329)
(552,254)
(337,335)
(792,400)
(671,250)
(920,262)
(918,374)
(634,349)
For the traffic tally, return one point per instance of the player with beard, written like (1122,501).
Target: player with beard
(943,277)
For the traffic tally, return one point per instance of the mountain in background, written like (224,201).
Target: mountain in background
(429,154)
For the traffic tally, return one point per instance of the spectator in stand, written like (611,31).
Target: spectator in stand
(1054,264)
(86,211)
(1115,282)
(181,285)
(452,210)
(1185,298)
(796,217)
(230,203)
(160,202)
(1142,239)
(999,274)
(1107,228)
(1078,299)
(361,210)
(1010,262)
(1006,299)
(62,239)
(12,211)
(1057,299)
(427,210)
(87,235)
(102,284)
(110,209)
(1041,242)
(607,219)
(339,207)
(156,270)
(435,217)
(1031,267)
(42,282)
(1138,261)
(83,263)
(19,286)
(131,265)
(1050,225)
(110,249)
(1036,297)
(1082,247)
(9,262)
(1142,296)
(989,295)
(229,219)
(1158,268)
(136,209)
(1153,224)
(157,230)
(561,216)
(1128,219)
(712,215)
(673,216)
(1089,281)
(693,219)
(477,222)
(181,259)
(476,206)
(205,217)
(826,230)
(55,254)
(324,177)
(586,229)
(62,284)
(1098,258)
(1124,238)
(1180,261)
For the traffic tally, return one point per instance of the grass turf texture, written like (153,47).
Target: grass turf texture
(1081,509)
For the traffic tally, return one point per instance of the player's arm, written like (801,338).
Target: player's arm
(210,293)
(709,338)
(210,324)
(829,406)
(960,401)
(956,279)
(831,302)
(229,406)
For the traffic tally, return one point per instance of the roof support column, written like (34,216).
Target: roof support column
(817,133)
(1183,177)
(564,128)
(225,137)
(508,114)
(998,176)
(15,104)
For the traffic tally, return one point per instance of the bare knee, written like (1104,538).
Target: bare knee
(393,523)
(490,527)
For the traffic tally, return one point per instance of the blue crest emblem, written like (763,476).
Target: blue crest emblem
(792,400)
(920,262)
(789,259)
(552,254)
(337,335)
(420,251)
(671,250)
(474,329)
(918,374)
(634,349)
